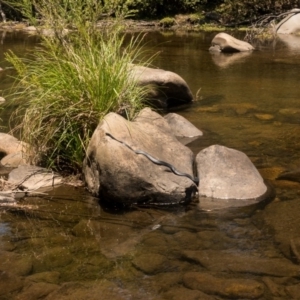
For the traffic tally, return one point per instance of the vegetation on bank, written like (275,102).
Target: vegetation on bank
(76,76)
(225,12)
(222,11)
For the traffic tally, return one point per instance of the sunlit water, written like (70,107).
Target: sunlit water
(67,246)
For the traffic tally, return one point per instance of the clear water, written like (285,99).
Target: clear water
(68,246)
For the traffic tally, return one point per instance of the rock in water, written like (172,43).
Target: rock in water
(226,173)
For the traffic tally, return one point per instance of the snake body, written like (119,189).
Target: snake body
(157,161)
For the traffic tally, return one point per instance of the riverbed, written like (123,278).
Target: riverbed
(67,244)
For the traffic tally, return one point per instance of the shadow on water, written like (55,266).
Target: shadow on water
(66,246)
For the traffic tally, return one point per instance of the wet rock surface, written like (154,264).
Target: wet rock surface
(33,177)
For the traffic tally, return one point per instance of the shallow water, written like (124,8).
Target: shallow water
(67,246)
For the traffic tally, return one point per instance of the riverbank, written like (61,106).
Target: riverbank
(181,22)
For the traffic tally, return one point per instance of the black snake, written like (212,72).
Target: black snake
(157,161)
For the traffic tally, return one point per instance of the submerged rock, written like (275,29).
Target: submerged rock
(223,261)
(230,288)
(37,290)
(283,219)
(224,42)
(179,293)
(92,290)
(151,263)
(9,284)
(16,264)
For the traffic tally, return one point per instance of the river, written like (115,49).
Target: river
(67,245)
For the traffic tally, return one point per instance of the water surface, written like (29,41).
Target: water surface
(67,246)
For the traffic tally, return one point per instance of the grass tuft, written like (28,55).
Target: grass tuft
(71,81)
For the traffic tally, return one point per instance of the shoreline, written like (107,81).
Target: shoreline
(182,23)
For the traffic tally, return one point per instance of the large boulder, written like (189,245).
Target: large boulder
(224,42)
(116,168)
(226,173)
(166,89)
(290,24)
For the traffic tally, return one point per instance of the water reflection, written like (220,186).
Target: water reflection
(67,246)
(225,60)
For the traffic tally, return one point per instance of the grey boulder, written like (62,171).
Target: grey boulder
(227,173)
(223,42)
(115,172)
(290,24)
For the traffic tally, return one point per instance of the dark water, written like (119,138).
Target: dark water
(66,246)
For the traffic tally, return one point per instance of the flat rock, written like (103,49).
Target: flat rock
(33,178)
